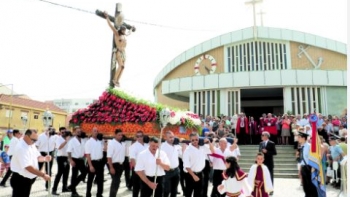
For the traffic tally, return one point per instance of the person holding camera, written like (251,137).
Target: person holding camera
(62,160)
(24,165)
(94,155)
(218,159)
(46,146)
(75,152)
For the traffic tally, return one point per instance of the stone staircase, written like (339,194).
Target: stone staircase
(285,162)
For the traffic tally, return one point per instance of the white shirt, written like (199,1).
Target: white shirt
(25,155)
(146,162)
(12,146)
(45,143)
(218,163)
(127,146)
(194,158)
(76,148)
(135,149)
(63,151)
(94,148)
(116,151)
(303,122)
(232,185)
(173,152)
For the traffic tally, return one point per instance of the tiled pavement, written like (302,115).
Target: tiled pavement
(283,188)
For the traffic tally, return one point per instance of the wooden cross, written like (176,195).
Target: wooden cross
(118,12)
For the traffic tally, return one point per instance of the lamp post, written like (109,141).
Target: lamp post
(48,120)
(11,102)
(24,119)
(164,117)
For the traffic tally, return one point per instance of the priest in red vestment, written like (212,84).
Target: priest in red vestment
(262,123)
(270,126)
(242,129)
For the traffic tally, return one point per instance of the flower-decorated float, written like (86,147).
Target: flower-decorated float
(116,109)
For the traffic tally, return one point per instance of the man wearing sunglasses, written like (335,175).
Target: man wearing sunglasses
(194,162)
(134,151)
(24,165)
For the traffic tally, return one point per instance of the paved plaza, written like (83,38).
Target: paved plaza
(283,188)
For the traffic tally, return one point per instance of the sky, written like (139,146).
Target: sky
(52,52)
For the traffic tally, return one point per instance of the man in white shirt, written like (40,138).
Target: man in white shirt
(62,160)
(116,157)
(46,145)
(94,155)
(304,121)
(24,165)
(12,146)
(75,152)
(172,177)
(218,161)
(152,163)
(194,162)
(134,150)
(126,164)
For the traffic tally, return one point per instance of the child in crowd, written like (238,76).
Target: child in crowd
(4,161)
(259,178)
(235,182)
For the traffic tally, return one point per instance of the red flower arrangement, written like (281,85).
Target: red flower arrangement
(116,109)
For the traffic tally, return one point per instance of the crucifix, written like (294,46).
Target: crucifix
(119,42)
(253,2)
(261,13)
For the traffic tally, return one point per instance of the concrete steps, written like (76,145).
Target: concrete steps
(285,161)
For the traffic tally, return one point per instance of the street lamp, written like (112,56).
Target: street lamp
(24,119)
(11,101)
(47,118)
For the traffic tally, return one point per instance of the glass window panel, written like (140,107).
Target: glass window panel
(319,100)
(213,96)
(303,94)
(298,101)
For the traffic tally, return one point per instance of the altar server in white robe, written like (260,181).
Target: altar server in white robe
(259,178)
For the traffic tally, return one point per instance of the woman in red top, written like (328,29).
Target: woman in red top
(285,129)
(336,123)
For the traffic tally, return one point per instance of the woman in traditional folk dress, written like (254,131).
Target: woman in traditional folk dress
(120,43)
(235,182)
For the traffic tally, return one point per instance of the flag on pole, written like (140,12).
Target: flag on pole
(315,159)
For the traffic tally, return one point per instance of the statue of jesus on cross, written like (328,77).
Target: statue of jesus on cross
(120,31)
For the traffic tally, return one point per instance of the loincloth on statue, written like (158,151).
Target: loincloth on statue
(122,53)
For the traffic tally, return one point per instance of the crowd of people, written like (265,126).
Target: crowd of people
(147,163)
(282,128)
(152,165)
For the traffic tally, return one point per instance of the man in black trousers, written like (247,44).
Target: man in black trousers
(62,160)
(269,149)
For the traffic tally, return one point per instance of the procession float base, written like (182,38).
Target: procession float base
(116,109)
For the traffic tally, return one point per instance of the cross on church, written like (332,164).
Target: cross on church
(261,13)
(253,2)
